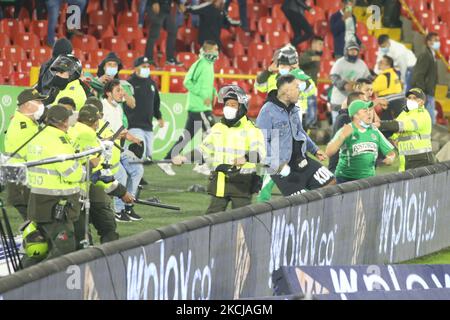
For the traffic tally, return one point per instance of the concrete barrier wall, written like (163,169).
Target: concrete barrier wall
(232,254)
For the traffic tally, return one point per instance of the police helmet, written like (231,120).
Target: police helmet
(233,92)
(34,243)
(287,56)
(69,63)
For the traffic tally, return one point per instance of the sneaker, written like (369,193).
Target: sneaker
(143,182)
(131,214)
(122,217)
(174,62)
(202,169)
(167,168)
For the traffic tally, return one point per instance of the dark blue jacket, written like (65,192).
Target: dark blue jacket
(337,26)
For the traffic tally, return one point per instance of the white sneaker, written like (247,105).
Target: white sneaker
(202,169)
(167,168)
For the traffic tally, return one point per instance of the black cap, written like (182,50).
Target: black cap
(62,46)
(58,113)
(141,60)
(418,93)
(29,95)
(89,113)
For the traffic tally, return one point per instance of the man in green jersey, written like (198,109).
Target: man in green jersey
(358,144)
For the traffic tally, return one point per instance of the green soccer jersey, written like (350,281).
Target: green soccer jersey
(359,153)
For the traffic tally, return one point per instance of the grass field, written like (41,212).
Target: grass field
(173,191)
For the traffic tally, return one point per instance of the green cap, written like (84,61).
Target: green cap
(57,114)
(357,105)
(29,95)
(299,74)
(88,113)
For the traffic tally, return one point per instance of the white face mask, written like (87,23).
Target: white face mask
(73,118)
(229,113)
(302,86)
(283,72)
(39,112)
(363,124)
(412,104)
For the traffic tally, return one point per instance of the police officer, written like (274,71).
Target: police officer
(232,149)
(413,132)
(22,127)
(54,188)
(84,137)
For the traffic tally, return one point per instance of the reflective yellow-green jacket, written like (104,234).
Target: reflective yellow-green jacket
(75,91)
(20,129)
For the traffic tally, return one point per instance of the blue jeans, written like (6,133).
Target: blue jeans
(311,115)
(129,175)
(142,6)
(334,115)
(408,78)
(53,7)
(145,135)
(431,106)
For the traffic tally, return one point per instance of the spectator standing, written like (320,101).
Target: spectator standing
(343,27)
(294,10)
(404,59)
(425,73)
(159,12)
(242,13)
(344,74)
(147,104)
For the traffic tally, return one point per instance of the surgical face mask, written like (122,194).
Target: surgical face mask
(111,71)
(73,118)
(351,59)
(363,124)
(412,104)
(39,112)
(144,72)
(302,86)
(436,45)
(384,50)
(283,71)
(229,113)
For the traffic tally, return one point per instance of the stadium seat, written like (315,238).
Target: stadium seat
(222,62)
(229,70)
(325,68)
(321,28)
(328,6)
(268,24)
(255,104)
(11,26)
(128,18)
(217,110)
(234,49)
(361,29)
(6,68)
(245,38)
(100,31)
(176,85)
(93,5)
(187,58)
(259,51)
(427,18)
(24,66)
(129,33)
(77,52)
(244,63)
(116,44)
(418,6)
(96,56)
(39,28)
(370,42)
(13,53)
(40,54)
(27,41)
(85,42)
(225,37)
(187,36)
(174,68)
(440,6)
(19,79)
(139,45)
(315,14)
(101,17)
(127,58)
(257,10)
(278,14)
(4,40)
(442,29)
(277,39)
(233,11)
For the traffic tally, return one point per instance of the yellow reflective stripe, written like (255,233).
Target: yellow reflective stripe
(416,125)
(71,169)
(220,184)
(55,192)
(414,137)
(413,152)
(44,171)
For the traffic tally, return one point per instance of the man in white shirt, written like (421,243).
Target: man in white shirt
(404,59)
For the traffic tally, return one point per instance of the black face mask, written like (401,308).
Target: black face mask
(318,53)
(59,82)
(351,59)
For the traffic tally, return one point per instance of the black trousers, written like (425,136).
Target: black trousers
(158,21)
(302,28)
(220,204)
(194,122)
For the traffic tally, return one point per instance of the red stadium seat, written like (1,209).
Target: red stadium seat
(270,3)
(233,10)
(139,45)
(229,70)
(255,104)
(440,6)
(19,79)
(4,40)
(128,18)
(278,14)
(442,29)
(39,28)
(93,5)
(418,6)
(176,85)
(127,58)
(114,44)
(361,29)
(24,66)
(187,35)
(129,33)
(222,62)
(187,58)
(14,53)
(321,28)
(79,54)
(40,55)
(245,64)
(259,51)
(234,49)
(257,10)
(27,41)
(11,26)
(85,42)
(101,17)
(225,37)
(370,42)
(329,6)
(100,31)
(268,24)
(96,56)
(174,68)
(325,68)
(427,19)
(6,68)
(246,38)
(315,14)
(277,39)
